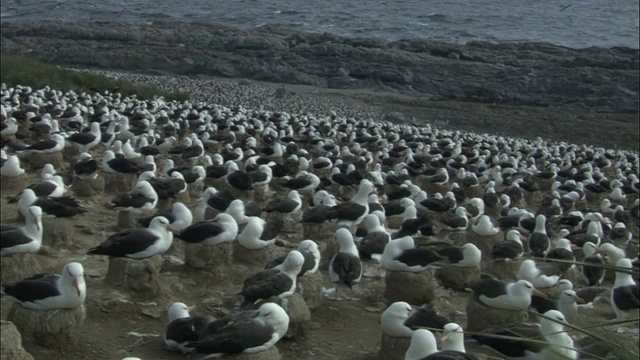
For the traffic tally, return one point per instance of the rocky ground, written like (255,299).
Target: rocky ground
(525,89)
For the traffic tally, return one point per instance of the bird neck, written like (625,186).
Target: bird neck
(623,279)
(540,227)
(361,196)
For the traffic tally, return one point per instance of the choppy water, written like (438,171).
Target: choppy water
(573,23)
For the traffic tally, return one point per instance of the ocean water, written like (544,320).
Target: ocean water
(572,23)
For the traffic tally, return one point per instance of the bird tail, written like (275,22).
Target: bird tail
(14,199)
(440,264)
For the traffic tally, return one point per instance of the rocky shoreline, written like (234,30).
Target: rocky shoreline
(524,89)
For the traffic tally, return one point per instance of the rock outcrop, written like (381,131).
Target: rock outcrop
(529,73)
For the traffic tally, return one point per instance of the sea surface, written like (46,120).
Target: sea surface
(572,23)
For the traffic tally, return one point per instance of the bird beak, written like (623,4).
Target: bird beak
(191,308)
(445,339)
(336,248)
(37,222)
(539,293)
(76,284)
(579,300)
(574,247)
(173,230)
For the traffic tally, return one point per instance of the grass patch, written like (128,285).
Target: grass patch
(18,70)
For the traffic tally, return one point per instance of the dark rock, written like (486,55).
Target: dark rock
(529,73)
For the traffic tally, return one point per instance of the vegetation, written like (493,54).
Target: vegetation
(16,70)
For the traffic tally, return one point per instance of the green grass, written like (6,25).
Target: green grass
(18,70)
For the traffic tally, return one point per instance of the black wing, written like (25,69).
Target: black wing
(124,243)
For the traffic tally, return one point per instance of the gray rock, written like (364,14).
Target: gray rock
(12,343)
(533,73)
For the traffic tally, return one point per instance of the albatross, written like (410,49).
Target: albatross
(345,266)
(182,328)
(502,295)
(23,240)
(140,243)
(251,333)
(47,291)
(401,319)
(268,283)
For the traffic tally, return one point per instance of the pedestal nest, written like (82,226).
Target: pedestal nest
(214,258)
(119,183)
(13,185)
(317,232)
(258,258)
(12,343)
(505,270)
(237,193)
(458,278)
(90,187)
(480,317)
(299,316)
(125,220)
(327,250)
(291,223)
(51,328)
(263,194)
(195,189)
(414,288)
(484,243)
(177,249)
(58,232)
(310,287)
(17,267)
(393,348)
(38,161)
(141,276)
